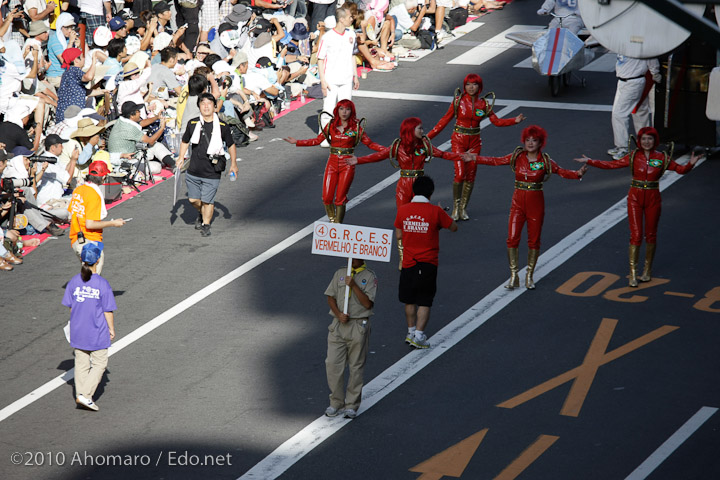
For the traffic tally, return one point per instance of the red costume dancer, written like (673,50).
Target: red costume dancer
(644,201)
(344,132)
(469,109)
(411,152)
(531,168)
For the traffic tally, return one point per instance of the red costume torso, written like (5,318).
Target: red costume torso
(644,200)
(407,161)
(338,175)
(528,204)
(470,112)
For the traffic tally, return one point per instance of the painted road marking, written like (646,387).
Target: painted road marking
(671,444)
(526,458)
(452,461)
(491,48)
(583,376)
(303,442)
(417,97)
(679,294)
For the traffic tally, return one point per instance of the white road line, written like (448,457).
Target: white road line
(491,48)
(457,33)
(417,97)
(294,449)
(672,443)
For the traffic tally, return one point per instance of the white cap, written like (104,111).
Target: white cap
(102,36)
(132,44)
(221,67)
(161,41)
(330,22)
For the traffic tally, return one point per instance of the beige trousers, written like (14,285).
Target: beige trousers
(347,346)
(89,369)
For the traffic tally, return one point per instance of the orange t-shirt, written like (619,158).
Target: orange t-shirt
(85,205)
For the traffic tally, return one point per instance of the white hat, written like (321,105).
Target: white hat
(330,22)
(230,38)
(161,41)
(102,36)
(140,59)
(221,67)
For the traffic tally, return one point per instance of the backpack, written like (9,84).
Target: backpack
(457,17)
(427,39)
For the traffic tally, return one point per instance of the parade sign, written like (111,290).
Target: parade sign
(352,241)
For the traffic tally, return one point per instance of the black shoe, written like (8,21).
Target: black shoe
(205,230)
(198,222)
(54,230)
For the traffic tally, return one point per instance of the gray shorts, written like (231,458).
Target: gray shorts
(202,188)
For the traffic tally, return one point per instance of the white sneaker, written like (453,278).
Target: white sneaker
(408,338)
(84,402)
(441,34)
(614,151)
(620,153)
(332,411)
(350,413)
(420,341)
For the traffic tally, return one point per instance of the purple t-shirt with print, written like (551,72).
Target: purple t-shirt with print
(89,302)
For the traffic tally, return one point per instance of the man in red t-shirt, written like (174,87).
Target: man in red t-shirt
(416,226)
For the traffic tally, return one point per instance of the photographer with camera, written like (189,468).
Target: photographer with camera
(207,160)
(23,177)
(127,133)
(7,259)
(88,212)
(54,177)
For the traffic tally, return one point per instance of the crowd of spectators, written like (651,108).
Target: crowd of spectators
(87,80)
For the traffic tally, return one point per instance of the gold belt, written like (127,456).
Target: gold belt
(645,185)
(341,151)
(528,185)
(467,130)
(412,173)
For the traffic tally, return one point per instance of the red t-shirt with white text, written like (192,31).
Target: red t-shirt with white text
(420,222)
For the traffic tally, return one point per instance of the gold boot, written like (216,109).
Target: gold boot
(533,255)
(649,256)
(330,211)
(457,194)
(513,261)
(339,213)
(400,253)
(633,254)
(466,192)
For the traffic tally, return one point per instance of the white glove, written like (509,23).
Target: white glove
(542,12)
(657,78)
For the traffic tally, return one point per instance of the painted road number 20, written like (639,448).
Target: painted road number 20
(591,284)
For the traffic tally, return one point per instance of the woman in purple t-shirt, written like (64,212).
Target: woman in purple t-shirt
(92,328)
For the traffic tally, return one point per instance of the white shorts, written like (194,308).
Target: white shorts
(444,3)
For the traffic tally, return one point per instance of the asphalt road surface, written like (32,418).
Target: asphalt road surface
(218,366)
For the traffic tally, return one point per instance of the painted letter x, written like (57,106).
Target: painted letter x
(584,375)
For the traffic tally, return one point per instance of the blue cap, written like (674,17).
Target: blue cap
(22,151)
(116,23)
(91,253)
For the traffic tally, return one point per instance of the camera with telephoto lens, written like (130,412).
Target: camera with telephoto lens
(8,185)
(225,81)
(42,159)
(141,146)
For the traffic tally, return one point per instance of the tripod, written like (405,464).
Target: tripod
(142,166)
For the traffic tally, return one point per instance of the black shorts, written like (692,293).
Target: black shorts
(418,284)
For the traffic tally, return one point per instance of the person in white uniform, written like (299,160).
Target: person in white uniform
(631,74)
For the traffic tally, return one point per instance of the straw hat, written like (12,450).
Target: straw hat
(86,128)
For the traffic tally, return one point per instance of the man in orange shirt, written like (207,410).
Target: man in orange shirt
(87,212)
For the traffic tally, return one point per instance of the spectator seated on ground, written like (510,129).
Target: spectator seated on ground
(127,132)
(87,141)
(19,168)
(134,84)
(117,52)
(8,236)
(369,49)
(254,84)
(36,65)
(54,178)
(408,16)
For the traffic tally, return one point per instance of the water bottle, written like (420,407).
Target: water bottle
(233,176)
